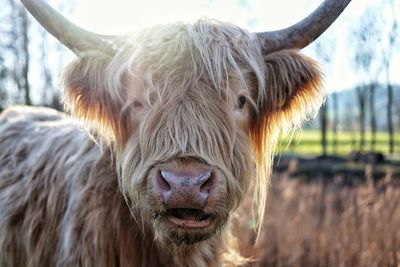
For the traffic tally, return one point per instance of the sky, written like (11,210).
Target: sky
(122,16)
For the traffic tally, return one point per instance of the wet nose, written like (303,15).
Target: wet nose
(184,190)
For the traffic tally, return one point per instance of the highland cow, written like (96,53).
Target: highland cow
(171,129)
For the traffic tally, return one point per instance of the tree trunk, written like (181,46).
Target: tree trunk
(324,126)
(335,123)
(372,115)
(361,102)
(390,117)
(25,47)
(47,91)
(393,35)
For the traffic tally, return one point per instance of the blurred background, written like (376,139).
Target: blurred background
(335,193)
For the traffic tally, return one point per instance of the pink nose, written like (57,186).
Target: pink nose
(183,190)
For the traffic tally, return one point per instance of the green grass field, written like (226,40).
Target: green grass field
(308,142)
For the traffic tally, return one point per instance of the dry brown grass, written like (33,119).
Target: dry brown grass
(326,224)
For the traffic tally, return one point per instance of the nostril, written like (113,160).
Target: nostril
(208,184)
(162,182)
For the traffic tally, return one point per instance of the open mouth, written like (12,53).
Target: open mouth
(188,217)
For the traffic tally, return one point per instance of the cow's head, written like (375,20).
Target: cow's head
(193,111)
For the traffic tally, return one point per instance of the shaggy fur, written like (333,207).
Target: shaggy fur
(168,96)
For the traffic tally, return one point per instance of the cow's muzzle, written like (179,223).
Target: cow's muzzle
(185,194)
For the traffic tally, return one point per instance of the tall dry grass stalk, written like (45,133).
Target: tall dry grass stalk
(325,224)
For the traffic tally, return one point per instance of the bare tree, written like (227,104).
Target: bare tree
(366,38)
(324,51)
(387,56)
(20,48)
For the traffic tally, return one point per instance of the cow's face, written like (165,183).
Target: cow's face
(193,111)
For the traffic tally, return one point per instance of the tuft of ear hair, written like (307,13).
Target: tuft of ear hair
(88,98)
(292,93)
(293,79)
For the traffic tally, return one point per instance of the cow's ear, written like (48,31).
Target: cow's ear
(293,85)
(90,96)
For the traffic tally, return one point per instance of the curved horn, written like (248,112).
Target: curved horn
(306,31)
(75,38)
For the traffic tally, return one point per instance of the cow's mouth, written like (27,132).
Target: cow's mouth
(191,218)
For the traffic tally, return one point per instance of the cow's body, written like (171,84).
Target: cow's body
(184,119)
(60,200)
